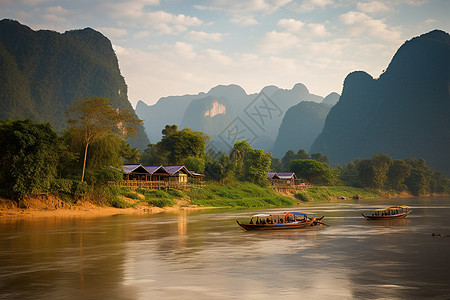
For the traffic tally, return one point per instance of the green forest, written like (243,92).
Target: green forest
(91,152)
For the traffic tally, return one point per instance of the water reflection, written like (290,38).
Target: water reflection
(198,255)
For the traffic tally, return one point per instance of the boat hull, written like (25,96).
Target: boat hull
(389,217)
(277,226)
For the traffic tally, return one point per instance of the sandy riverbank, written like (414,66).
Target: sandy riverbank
(50,206)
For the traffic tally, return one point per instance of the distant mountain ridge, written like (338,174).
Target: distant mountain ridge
(404,113)
(174,110)
(44,72)
(301,125)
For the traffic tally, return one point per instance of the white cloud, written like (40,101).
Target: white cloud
(317,29)
(243,20)
(137,13)
(59,10)
(112,31)
(53,18)
(34,2)
(373,7)
(291,25)
(141,34)
(310,5)
(360,24)
(431,21)
(242,7)
(203,36)
(216,56)
(274,42)
(305,30)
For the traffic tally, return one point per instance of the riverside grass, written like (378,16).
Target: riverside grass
(324,193)
(237,194)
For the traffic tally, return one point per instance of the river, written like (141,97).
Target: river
(205,255)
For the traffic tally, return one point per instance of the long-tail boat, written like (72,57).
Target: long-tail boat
(393,212)
(290,220)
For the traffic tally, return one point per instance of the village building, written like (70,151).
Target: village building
(139,176)
(286,180)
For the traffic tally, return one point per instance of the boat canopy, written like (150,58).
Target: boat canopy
(261,216)
(394,207)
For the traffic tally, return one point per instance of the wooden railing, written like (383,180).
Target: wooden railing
(155,185)
(281,185)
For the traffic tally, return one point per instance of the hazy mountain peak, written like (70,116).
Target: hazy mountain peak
(300,89)
(269,90)
(228,91)
(331,99)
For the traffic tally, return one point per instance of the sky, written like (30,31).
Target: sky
(177,47)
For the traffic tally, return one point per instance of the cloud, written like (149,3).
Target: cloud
(112,31)
(431,21)
(138,13)
(242,7)
(291,25)
(243,20)
(53,18)
(360,24)
(309,30)
(141,34)
(373,7)
(203,36)
(56,10)
(310,5)
(275,42)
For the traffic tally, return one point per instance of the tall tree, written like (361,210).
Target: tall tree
(94,118)
(290,155)
(256,166)
(182,144)
(398,172)
(312,170)
(237,155)
(29,158)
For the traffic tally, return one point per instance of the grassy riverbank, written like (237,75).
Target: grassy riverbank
(233,194)
(327,193)
(114,200)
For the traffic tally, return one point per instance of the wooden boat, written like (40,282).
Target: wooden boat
(393,212)
(291,220)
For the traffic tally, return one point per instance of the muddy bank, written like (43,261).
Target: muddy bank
(51,206)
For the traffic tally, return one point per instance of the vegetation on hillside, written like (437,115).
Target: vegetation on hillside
(44,72)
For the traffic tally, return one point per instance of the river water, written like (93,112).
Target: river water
(204,255)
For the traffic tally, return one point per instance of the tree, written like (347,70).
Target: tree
(276,165)
(215,170)
(153,157)
(320,157)
(182,144)
(398,172)
(94,118)
(256,166)
(131,155)
(418,182)
(290,155)
(29,157)
(195,164)
(168,130)
(365,172)
(380,164)
(237,155)
(373,172)
(312,170)
(349,173)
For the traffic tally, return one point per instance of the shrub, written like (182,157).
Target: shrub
(303,196)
